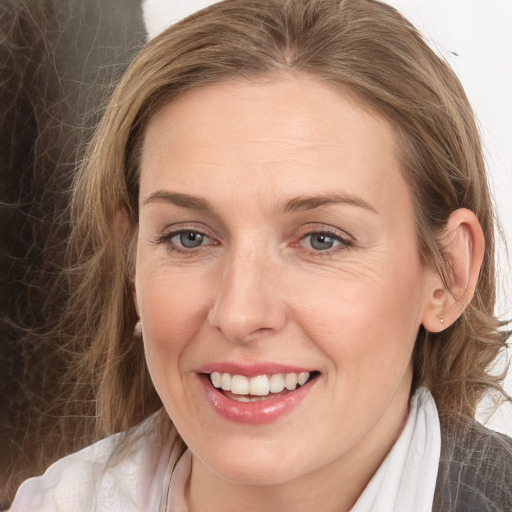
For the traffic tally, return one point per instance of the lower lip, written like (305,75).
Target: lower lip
(254,413)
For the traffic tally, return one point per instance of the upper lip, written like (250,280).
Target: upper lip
(251,369)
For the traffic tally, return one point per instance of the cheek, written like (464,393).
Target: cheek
(368,325)
(172,314)
(172,311)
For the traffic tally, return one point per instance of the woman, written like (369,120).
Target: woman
(286,203)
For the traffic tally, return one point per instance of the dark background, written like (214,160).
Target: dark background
(58,62)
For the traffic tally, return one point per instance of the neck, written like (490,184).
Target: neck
(302,494)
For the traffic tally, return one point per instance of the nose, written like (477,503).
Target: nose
(248,302)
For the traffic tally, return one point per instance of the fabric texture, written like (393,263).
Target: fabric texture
(92,480)
(408,473)
(474,472)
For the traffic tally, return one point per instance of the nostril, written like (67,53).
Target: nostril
(260,332)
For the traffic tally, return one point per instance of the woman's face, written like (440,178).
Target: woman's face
(276,243)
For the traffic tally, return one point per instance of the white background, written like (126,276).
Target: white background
(475,37)
(479,32)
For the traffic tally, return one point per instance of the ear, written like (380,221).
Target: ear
(463,247)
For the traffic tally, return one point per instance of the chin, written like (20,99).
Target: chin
(256,465)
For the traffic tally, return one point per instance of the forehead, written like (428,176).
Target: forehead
(295,99)
(267,137)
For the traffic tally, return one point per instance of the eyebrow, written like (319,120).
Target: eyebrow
(181,200)
(300,203)
(303,203)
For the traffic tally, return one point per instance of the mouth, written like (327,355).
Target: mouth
(260,387)
(257,398)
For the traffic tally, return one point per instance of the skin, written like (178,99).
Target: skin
(256,290)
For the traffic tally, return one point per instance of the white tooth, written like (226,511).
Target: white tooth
(303,378)
(259,385)
(226,382)
(242,398)
(276,384)
(216,379)
(290,381)
(239,385)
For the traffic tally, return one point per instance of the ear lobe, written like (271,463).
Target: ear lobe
(463,247)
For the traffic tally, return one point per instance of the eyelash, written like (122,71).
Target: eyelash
(167,237)
(344,241)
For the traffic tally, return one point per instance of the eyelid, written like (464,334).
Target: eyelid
(188,226)
(315,228)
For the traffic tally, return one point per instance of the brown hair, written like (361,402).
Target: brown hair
(58,62)
(363,47)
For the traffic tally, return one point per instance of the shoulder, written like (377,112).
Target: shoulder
(119,473)
(475,470)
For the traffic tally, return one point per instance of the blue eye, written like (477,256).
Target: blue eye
(188,239)
(324,241)
(321,241)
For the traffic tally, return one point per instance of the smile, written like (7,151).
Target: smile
(253,388)
(257,394)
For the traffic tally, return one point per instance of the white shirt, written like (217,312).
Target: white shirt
(91,480)
(151,476)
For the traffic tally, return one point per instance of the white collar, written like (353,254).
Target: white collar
(406,479)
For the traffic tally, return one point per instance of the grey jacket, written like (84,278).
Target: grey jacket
(475,471)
